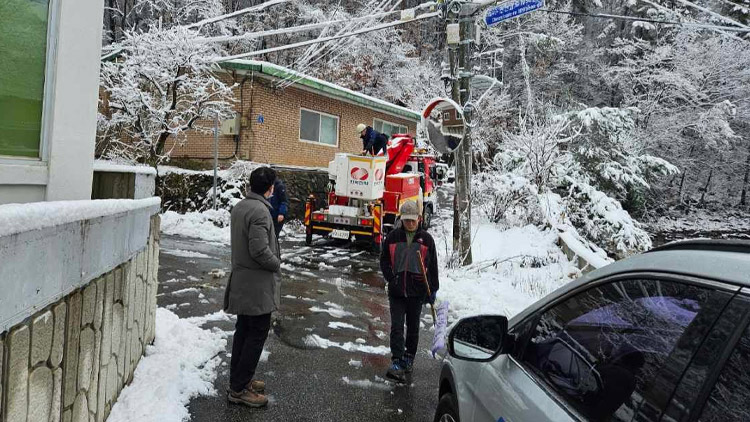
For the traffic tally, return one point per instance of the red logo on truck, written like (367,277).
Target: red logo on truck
(359,173)
(379,174)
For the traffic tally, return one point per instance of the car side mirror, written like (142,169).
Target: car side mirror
(478,338)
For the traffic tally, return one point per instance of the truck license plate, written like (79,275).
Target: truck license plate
(342,220)
(340,234)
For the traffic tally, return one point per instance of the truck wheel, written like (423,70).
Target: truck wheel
(427,217)
(308,238)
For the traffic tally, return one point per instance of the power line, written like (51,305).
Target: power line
(237,13)
(291,30)
(326,39)
(640,19)
(116,52)
(667,10)
(714,14)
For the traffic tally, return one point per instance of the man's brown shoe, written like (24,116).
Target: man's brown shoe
(257,386)
(248,398)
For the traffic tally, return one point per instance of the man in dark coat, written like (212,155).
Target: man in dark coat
(407,288)
(280,205)
(372,140)
(253,290)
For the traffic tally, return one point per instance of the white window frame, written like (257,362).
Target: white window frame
(338,128)
(375,119)
(39,177)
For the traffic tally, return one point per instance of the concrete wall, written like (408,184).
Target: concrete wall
(276,141)
(69,121)
(117,185)
(66,357)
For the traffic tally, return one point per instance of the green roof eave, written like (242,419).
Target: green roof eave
(322,86)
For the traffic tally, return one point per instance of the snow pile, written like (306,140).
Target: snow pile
(185,291)
(702,220)
(171,374)
(18,218)
(216,316)
(335,312)
(318,342)
(184,253)
(512,269)
(211,225)
(117,167)
(338,325)
(366,384)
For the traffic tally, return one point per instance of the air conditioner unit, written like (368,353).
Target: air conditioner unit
(230,126)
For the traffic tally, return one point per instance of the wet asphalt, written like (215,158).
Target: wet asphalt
(323,284)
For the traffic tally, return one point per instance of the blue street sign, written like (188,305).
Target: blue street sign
(511,9)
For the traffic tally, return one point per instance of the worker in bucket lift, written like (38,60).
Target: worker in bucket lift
(411,284)
(372,141)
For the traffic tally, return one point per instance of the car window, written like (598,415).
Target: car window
(657,397)
(730,398)
(602,349)
(703,363)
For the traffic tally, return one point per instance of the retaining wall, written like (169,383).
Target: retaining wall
(78,306)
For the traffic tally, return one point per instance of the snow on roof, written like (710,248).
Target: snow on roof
(113,167)
(321,85)
(18,218)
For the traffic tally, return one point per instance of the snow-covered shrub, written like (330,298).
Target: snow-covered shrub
(601,219)
(609,153)
(232,188)
(506,197)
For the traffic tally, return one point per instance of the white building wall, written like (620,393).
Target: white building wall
(71,95)
(74,100)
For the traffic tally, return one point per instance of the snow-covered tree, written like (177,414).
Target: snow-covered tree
(161,85)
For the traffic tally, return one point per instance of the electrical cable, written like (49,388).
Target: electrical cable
(636,18)
(335,37)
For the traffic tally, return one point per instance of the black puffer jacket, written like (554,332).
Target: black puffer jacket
(400,264)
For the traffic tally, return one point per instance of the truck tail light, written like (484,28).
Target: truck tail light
(365,222)
(319,217)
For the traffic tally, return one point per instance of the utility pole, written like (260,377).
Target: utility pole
(462,13)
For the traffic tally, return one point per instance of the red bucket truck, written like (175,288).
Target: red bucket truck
(366,193)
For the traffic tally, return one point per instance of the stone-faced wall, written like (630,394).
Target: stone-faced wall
(70,360)
(182,192)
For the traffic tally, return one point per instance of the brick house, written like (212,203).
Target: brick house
(303,124)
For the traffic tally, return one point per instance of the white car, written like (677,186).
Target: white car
(662,336)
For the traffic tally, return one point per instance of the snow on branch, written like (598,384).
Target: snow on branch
(161,86)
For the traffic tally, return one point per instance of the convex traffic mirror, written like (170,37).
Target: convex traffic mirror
(443,121)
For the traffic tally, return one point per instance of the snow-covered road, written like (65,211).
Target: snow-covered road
(329,348)
(324,360)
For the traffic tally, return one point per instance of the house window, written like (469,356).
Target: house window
(388,128)
(318,127)
(23,48)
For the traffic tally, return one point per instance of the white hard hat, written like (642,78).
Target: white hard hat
(361,127)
